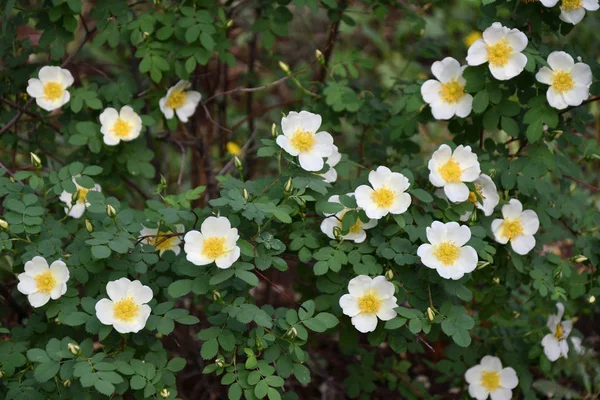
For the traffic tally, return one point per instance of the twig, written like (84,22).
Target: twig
(10,173)
(279,289)
(582,104)
(30,113)
(587,185)
(182,163)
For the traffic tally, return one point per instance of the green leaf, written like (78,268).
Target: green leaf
(46,371)
(247,277)
(37,355)
(104,387)
(137,382)
(100,252)
(481,101)
(235,392)
(180,288)
(209,349)
(261,388)
(302,374)
(176,364)
(422,195)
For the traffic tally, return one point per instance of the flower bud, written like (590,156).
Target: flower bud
(259,344)
(591,299)
(1,374)
(35,160)
(89,226)
(389,274)
(579,259)
(274,130)
(492,173)
(291,333)
(145,34)
(216,295)
(482,264)
(57,321)
(287,188)
(165,393)
(496,280)
(238,163)
(229,23)
(430,314)
(3,224)
(320,57)
(284,67)
(158,335)
(337,233)
(67,383)
(73,348)
(220,362)
(163,181)
(110,211)
(246,194)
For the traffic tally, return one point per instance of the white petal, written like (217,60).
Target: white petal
(508,378)
(48,105)
(523,244)
(430,90)
(464,106)
(359,285)
(37,265)
(111,140)
(363,196)
(38,299)
(310,162)
(451,70)
(591,5)
(473,374)
(35,88)
(117,290)
(66,78)
(456,192)
(383,287)
(323,145)
(459,234)
(517,40)
(567,328)
(386,311)
(496,224)
(141,294)
(551,347)
(60,271)
(365,322)
(349,305)
(549,3)
(443,111)
(477,53)
(436,233)
(582,74)
(501,394)
(109,116)
(27,284)
(572,16)
(530,222)
(556,99)
(544,76)
(491,363)
(577,95)
(478,392)
(400,204)
(50,74)
(380,177)
(309,122)
(215,226)
(494,33)
(227,260)
(77,210)
(58,290)
(513,209)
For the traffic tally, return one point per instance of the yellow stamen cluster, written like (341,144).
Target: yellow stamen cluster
(559,331)
(45,282)
(447,252)
(214,247)
(81,195)
(451,171)
(499,53)
(126,309)
(490,380)
(473,196)
(53,91)
(369,303)
(571,4)
(452,91)
(383,197)
(562,81)
(163,241)
(176,99)
(303,141)
(511,228)
(121,128)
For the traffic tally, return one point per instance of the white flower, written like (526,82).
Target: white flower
(50,90)
(179,101)
(123,125)
(446,95)
(41,283)
(518,226)
(126,310)
(573,11)
(569,82)
(77,203)
(449,170)
(489,379)
(555,343)
(216,242)
(446,251)
(501,47)
(331,175)
(368,300)
(162,241)
(334,221)
(300,138)
(486,188)
(387,194)
(577,346)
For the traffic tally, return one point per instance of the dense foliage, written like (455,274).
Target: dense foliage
(172,226)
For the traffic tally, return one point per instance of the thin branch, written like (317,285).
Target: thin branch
(280,290)
(10,173)
(30,113)
(587,185)
(593,99)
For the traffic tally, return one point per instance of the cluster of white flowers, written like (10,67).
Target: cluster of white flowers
(502,48)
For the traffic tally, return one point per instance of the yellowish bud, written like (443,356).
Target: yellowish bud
(220,362)
(3,224)
(67,383)
(73,348)
(292,333)
(35,160)
(579,259)
(274,130)
(216,295)
(496,280)
(320,57)
(1,374)
(482,264)
(57,321)
(284,67)
(430,314)
(592,299)
(110,211)
(89,226)
(337,233)
(165,393)
(238,163)
(389,274)
(246,194)
(287,188)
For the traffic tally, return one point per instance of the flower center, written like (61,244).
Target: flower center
(126,309)
(163,241)
(571,4)
(447,252)
(53,90)
(176,100)
(450,171)
(490,380)
(383,197)
(473,196)
(472,38)
(303,140)
(214,247)
(81,195)
(499,53)
(45,282)
(452,91)
(369,303)
(233,148)
(562,81)
(356,228)
(121,128)
(559,331)
(511,228)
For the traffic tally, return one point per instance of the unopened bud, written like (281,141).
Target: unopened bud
(492,173)
(259,344)
(591,299)
(89,226)
(246,194)
(389,274)
(482,264)
(516,314)
(238,163)
(287,188)
(145,34)
(274,130)
(291,333)
(430,314)
(158,335)
(284,67)
(496,280)
(3,224)
(163,181)
(229,23)
(579,259)
(73,348)
(220,362)
(1,374)
(110,211)
(35,160)
(545,128)
(473,216)
(57,321)
(216,295)
(337,233)
(579,58)
(67,383)
(302,203)
(320,57)
(165,393)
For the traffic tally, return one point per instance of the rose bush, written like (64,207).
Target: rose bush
(199,202)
